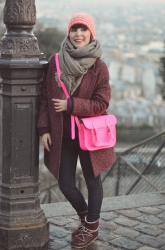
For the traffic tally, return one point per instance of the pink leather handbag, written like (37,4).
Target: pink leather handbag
(94,133)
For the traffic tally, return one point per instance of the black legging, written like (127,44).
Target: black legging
(67,182)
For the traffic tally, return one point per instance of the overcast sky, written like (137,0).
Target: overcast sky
(47,8)
(123,2)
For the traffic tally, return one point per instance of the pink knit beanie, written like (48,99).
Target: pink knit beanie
(83,18)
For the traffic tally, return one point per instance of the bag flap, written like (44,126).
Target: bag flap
(99,121)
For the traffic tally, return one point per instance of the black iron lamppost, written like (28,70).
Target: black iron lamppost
(22,222)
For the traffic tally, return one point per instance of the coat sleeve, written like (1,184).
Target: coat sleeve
(99,102)
(43,124)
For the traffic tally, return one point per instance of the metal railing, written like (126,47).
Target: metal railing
(140,168)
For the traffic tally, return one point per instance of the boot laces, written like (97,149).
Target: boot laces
(84,232)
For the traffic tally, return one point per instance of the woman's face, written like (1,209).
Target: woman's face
(79,35)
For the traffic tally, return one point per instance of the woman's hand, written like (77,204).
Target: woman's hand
(60,105)
(46,140)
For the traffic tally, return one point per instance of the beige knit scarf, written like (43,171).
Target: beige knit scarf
(75,62)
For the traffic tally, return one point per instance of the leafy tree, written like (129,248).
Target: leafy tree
(49,40)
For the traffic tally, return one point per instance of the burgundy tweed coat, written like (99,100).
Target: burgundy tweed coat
(91,98)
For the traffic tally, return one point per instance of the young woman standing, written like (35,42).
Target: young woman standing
(87,80)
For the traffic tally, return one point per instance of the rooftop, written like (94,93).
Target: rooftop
(135,221)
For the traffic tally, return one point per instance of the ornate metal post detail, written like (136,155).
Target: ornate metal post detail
(22,222)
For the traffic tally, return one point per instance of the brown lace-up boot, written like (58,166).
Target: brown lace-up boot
(82,216)
(86,234)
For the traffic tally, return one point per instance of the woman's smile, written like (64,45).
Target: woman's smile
(79,36)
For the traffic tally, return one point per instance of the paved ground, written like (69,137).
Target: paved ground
(127,222)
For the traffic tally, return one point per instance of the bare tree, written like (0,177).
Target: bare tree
(162,73)
(2,2)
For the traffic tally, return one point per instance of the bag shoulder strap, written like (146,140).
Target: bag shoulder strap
(73,118)
(59,76)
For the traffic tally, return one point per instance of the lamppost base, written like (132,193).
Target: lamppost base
(24,238)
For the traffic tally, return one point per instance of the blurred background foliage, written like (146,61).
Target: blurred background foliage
(49,39)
